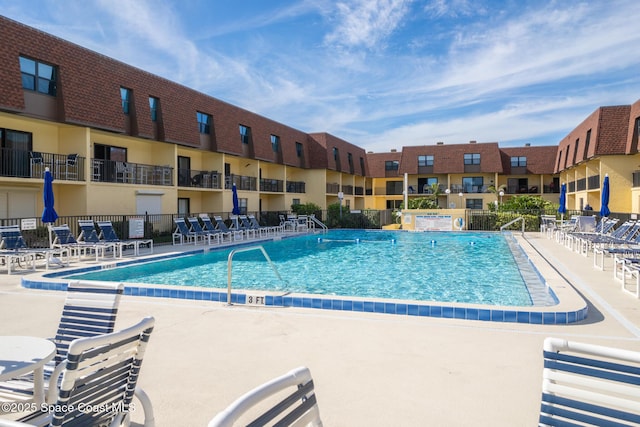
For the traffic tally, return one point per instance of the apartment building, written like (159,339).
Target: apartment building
(119,140)
(605,143)
(468,176)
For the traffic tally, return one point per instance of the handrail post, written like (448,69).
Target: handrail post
(230,263)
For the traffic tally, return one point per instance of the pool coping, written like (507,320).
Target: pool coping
(571,307)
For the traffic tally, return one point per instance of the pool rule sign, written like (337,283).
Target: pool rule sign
(253,299)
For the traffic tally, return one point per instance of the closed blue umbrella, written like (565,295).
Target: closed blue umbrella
(49,214)
(563,201)
(604,202)
(236,204)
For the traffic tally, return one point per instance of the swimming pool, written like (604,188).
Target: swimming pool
(466,267)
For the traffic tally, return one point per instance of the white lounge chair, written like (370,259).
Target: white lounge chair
(100,373)
(585,384)
(298,408)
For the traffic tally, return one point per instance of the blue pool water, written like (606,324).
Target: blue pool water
(466,267)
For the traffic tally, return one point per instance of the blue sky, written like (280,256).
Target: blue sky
(381,74)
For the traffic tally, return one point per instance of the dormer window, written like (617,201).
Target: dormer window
(38,76)
(472,159)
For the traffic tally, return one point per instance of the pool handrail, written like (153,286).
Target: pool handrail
(247,249)
(520,218)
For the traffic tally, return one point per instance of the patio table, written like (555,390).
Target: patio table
(20,355)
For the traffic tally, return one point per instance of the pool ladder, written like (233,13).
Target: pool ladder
(230,262)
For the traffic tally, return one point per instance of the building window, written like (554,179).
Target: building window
(336,154)
(204,123)
(275,143)
(391,165)
(153,106)
(472,159)
(38,76)
(425,161)
(518,162)
(245,134)
(242,204)
(362,165)
(474,203)
(350,160)
(295,201)
(575,151)
(299,149)
(559,160)
(587,141)
(125,97)
(473,184)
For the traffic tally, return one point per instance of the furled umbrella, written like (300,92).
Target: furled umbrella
(236,204)
(604,201)
(49,214)
(562,209)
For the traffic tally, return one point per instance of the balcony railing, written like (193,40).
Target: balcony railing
(273,185)
(593,182)
(296,187)
(581,184)
(130,173)
(359,191)
(32,164)
(199,179)
(347,189)
(242,182)
(333,188)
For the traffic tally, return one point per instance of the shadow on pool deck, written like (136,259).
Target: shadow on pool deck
(369,369)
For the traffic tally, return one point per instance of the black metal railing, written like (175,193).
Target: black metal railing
(333,188)
(32,164)
(130,173)
(272,185)
(296,187)
(242,182)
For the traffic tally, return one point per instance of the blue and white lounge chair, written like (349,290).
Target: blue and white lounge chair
(263,231)
(586,384)
(14,249)
(64,238)
(289,400)
(199,231)
(100,372)
(108,234)
(210,227)
(183,234)
(240,222)
(237,234)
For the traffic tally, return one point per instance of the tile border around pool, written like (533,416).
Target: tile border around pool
(502,314)
(532,315)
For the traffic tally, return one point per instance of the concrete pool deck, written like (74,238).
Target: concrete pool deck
(369,369)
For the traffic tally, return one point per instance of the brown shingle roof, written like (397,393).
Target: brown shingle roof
(450,158)
(539,159)
(376,162)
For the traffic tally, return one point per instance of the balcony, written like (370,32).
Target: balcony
(130,173)
(593,182)
(32,164)
(347,189)
(333,188)
(242,182)
(199,179)
(272,185)
(296,187)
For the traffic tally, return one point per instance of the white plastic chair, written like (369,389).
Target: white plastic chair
(298,408)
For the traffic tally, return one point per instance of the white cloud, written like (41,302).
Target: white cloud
(366,23)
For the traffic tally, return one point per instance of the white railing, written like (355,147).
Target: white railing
(230,261)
